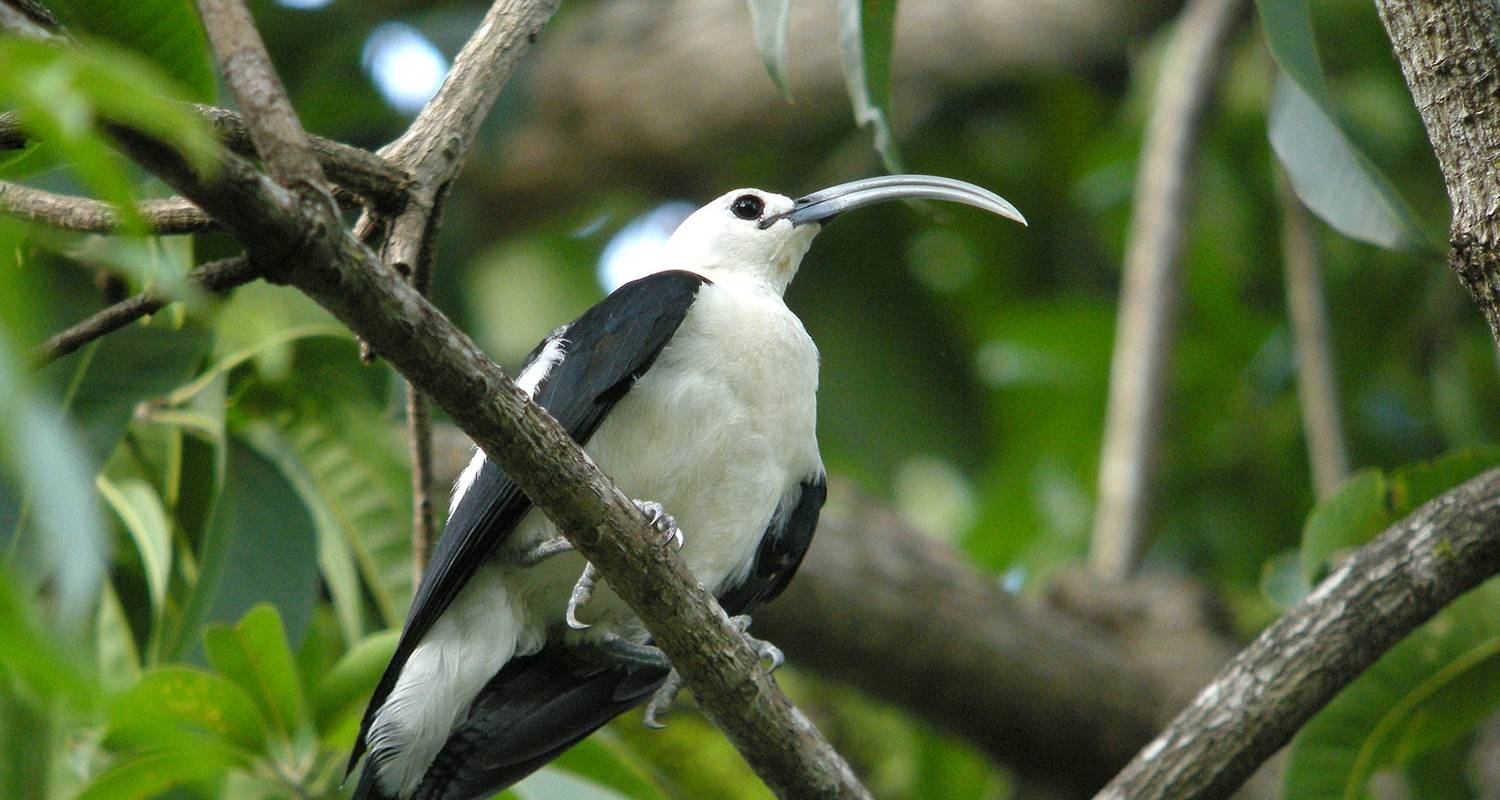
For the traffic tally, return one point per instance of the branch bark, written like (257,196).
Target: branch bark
(1145,331)
(1274,686)
(1451,60)
(168,216)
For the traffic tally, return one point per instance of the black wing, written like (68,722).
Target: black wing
(781,548)
(605,350)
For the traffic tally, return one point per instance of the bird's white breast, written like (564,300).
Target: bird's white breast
(717,430)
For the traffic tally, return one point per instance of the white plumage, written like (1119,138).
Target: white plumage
(718,431)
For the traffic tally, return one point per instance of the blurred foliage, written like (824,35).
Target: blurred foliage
(204,517)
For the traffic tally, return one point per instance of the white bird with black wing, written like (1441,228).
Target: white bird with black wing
(695,389)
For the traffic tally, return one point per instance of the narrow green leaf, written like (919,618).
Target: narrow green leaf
(866,35)
(139,508)
(166,31)
(119,659)
(255,654)
(1333,178)
(769,18)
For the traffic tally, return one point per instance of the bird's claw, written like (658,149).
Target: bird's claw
(583,589)
(661,522)
(665,696)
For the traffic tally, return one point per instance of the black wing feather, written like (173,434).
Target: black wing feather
(781,549)
(606,349)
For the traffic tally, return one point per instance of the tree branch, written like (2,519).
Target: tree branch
(1317,384)
(273,124)
(1274,686)
(215,277)
(1451,60)
(335,270)
(1148,300)
(173,215)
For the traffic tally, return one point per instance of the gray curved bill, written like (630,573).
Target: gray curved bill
(824,205)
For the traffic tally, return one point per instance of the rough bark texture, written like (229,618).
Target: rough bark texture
(1274,686)
(1449,54)
(1146,328)
(162,217)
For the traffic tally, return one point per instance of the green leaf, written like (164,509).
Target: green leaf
(555,784)
(166,31)
(1283,581)
(58,535)
(608,762)
(178,703)
(148,774)
(61,94)
(1351,516)
(866,33)
(335,527)
(341,694)
(119,658)
(1369,502)
(139,508)
(260,546)
(1333,178)
(1330,175)
(35,657)
(1427,692)
(769,18)
(255,654)
(108,380)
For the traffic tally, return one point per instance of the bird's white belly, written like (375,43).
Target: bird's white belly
(719,428)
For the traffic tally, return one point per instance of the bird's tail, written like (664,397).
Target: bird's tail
(528,714)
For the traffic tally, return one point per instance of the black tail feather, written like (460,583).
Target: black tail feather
(528,714)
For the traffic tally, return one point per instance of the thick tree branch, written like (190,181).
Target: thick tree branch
(1451,59)
(338,272)
(1274,686)
(1148,301)
(215,277)
(162,217)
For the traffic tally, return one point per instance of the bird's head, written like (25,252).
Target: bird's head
(749,234)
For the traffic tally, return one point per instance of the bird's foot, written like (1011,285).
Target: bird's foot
(542,551)
(583,589)
(666,695)
(661,522)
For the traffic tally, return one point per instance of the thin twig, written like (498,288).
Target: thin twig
(1274,686)
(274,128)
(1317,386)
(167,216)
(215,277)
(1145,331)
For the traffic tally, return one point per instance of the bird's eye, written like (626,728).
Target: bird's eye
(747,206)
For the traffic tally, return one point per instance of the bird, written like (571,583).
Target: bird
(694,387)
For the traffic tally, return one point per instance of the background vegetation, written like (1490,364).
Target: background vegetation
(205,518)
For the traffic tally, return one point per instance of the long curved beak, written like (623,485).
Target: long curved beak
(824,205)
